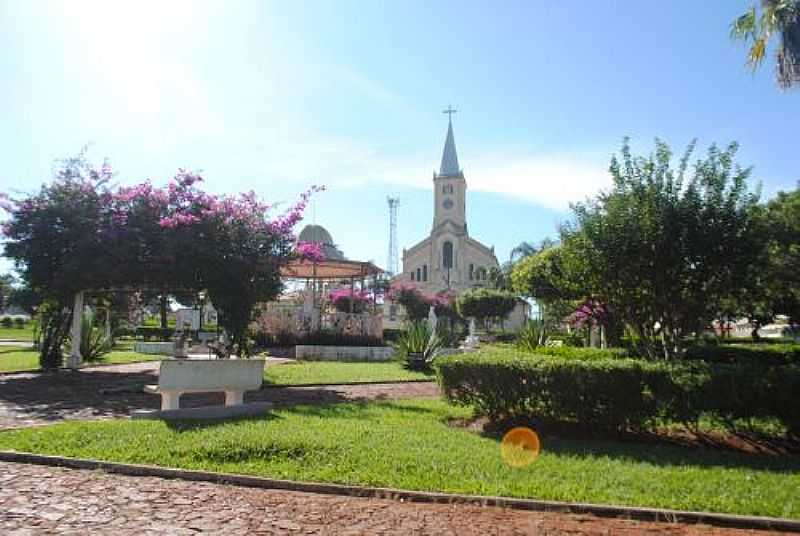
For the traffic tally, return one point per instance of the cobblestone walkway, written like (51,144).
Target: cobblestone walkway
(41,500)
(109,392)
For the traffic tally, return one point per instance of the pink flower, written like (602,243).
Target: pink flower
(310,251)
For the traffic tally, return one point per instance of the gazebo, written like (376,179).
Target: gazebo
(307,313)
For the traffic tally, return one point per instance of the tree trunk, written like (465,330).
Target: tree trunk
(754,332)
(163,310)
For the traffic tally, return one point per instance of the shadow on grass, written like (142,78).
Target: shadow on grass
(657,448)
(361,409)
(190,425)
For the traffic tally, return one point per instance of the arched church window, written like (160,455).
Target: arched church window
(447,255)
(424,272)
(471,272)
(419,273)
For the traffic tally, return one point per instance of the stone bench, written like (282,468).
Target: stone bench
(231,376)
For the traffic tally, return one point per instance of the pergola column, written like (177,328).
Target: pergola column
(75,358)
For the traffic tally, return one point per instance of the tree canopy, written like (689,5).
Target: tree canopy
(665,247)
(776,19)
(80,233)
(486,303)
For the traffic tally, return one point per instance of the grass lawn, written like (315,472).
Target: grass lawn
(13,359)
(409,445)
(308,372)
(15,334)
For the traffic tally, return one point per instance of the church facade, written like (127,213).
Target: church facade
(449,258)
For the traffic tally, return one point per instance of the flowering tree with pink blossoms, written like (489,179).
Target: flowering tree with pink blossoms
(80,233)
(347,300)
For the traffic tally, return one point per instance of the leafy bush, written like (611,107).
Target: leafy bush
(532,335)
(124,331)
(583,352)
(321,338)
(6,322)
(618,393)
(391,335)
(486,303)
(148,333)
(93,343)
(759,354)
(418,346)
(19,323)
(346,300)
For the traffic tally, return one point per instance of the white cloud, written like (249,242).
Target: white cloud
(550,180)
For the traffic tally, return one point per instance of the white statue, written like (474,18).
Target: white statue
(432,320)
(471,343)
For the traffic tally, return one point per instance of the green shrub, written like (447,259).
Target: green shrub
(583,352)
(417,346)
(19,323)
(6,322)
(285,339)
(532,335)
(756,353)
(617,392)
(390,334)
(94,343)
(147,333)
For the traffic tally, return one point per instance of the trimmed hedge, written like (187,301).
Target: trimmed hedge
(618,393)
(148,333)
(321,338)
(758,353)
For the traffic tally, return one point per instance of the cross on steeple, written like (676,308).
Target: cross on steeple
(450,111)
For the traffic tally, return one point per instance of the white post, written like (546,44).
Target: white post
(108,324)
(75,358)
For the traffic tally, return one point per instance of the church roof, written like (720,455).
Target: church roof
(449,167)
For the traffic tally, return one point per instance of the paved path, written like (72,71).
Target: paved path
(41,500)
(108,392)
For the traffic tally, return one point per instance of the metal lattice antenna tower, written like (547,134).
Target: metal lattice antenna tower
(392,262)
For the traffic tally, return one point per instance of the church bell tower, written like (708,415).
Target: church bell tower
(449,185)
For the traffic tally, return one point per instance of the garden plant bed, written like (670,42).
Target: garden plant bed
(409,445)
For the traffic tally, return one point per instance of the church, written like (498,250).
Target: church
(449,258)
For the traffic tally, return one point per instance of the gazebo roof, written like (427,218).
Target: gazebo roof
(329,269)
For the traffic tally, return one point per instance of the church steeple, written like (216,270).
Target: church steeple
(449,185)
(449,167)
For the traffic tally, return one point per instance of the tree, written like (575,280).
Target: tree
(486,303)
(55,239)
(757,27)
(78,234)
(6,288)
(522,250)
(782,220)
(664,250)
(545,277)
(411,298)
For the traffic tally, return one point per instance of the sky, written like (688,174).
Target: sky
(277,96)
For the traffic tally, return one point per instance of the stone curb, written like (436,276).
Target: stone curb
(638,513)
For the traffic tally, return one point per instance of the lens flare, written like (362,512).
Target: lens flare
(520,447)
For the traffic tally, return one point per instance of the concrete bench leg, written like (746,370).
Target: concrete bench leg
(234,398)
(170,400)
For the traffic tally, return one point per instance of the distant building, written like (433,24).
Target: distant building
(449,258)
(318,234)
